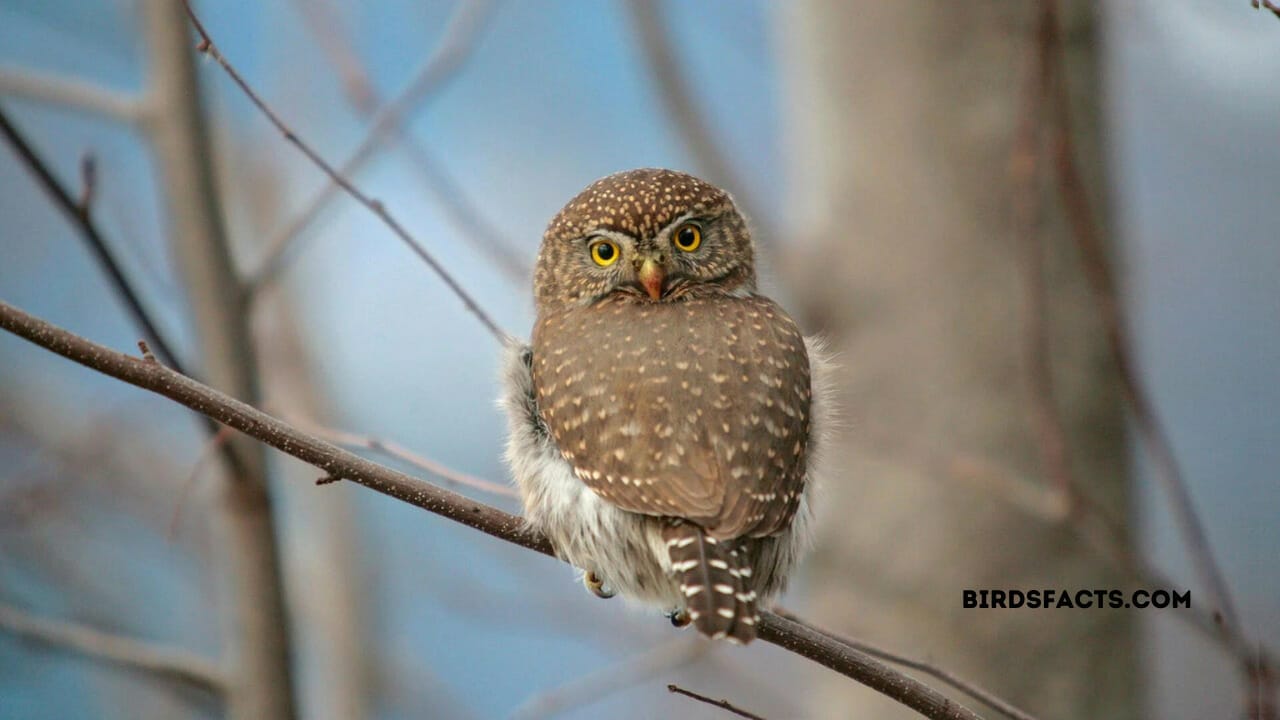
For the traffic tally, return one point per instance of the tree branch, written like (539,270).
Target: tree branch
(666,657)
(1084,226)
(450,55)
(971,689)
(722,704)
(400,452)
(374,206)
(462,210)
(1025,165)
(70,93)
(335,462)
(148,657)
(1266,5)
(77,213)
(683,108)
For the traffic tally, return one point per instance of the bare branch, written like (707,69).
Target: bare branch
(1267,5)
(88,183)
(140,655)
(797,637)
(1085,227)
(92,237)
(821,647)
(1024,166)
(70,93)
(212,445)
(722,704)
(322,20)
(682,106)
(588,689)
(78,212)
(971,689)
(461,209)
(400,452)
(459,39)
(374,206)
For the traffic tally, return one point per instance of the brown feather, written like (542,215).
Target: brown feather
(710,577)
(695,409)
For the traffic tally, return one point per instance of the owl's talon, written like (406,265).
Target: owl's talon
(596,586)
(679,618)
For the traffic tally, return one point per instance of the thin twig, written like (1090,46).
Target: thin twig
(374,206)
(400,452)
(1085,227)
(322,19)
(462,210)
(722,704)
(1025,163)
(70,93)
(799,638)
(1091,523)
(88,184)
(967,687)
(449,57)
(683,108)
(1266,4)
(88,231)
(77,211)
(211,446)
(140,655)
(594,687)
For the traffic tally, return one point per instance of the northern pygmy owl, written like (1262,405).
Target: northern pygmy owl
(663,419)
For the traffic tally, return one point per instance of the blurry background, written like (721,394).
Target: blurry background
(871,145)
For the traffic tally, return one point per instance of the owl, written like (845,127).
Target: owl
(663,420)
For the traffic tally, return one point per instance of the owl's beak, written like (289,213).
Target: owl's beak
(651,276)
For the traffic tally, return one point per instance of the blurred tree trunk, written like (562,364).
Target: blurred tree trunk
(256,630)
(902,117)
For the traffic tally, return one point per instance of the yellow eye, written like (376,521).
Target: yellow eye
(687,237)
(604,252)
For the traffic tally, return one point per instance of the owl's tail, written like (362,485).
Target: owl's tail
(715,578)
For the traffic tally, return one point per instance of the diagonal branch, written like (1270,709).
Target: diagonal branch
(460,38)
(1168,471)
(597,685)
(461,209)
(374,206)
(78,213)
(138,654)
(722,704)
(1266,5)
(1025,175)
(682,106)
(800,638)
(971,689)
(70,93)
(400,452)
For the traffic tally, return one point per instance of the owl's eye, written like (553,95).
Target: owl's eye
(687,237)
(604,252)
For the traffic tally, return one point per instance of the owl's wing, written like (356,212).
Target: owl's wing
(696,410)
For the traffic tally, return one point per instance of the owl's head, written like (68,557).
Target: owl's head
(644,236)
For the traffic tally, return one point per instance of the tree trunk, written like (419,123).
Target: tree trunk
(902,117)
(258,654)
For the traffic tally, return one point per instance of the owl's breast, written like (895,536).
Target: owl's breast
(696,409)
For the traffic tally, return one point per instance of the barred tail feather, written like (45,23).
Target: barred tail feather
(715,581)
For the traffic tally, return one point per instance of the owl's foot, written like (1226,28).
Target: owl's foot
(596,586)
(679,618)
